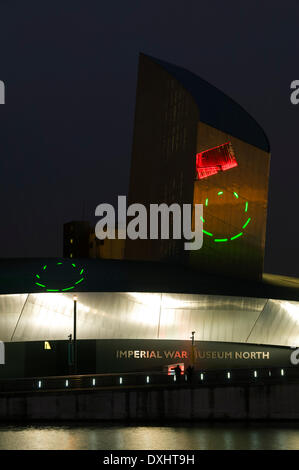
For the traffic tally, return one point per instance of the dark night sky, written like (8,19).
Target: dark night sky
(70,73)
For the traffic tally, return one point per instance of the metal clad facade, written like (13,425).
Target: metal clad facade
(47,316)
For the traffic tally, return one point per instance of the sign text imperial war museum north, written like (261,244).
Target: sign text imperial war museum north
(155,354)
(183,354)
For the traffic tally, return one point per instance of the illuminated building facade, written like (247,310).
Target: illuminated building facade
(193,144)
(76,239)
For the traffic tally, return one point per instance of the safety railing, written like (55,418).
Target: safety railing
(145,379)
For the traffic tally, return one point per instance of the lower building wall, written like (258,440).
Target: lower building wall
(219,403)
(31,359)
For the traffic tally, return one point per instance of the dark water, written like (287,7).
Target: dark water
(117,437)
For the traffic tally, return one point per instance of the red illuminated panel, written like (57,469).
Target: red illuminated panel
(171,367)
(210,162)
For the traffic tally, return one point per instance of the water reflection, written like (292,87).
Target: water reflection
(210,436)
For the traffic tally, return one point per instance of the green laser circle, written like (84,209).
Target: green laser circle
(238,235)
(66,288)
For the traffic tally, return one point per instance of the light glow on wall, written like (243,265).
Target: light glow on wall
(224,239)
(291,308)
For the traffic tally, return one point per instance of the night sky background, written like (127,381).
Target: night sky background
(70,70)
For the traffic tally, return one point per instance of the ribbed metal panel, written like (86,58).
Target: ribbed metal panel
(10,310)
(138,315)
(278,324)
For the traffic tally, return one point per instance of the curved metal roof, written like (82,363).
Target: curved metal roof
(135,315)
(217,109)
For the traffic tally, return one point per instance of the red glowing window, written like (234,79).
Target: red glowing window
(171,367)
(210,162)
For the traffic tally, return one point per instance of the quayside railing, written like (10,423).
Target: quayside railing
(199,378)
